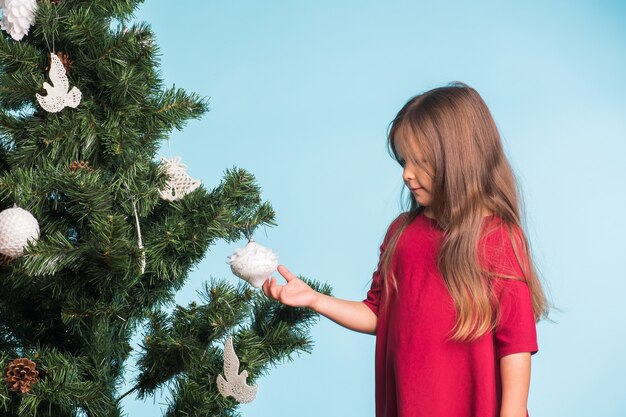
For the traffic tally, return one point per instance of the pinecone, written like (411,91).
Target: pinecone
(76,165)
(20,373)
(65,60)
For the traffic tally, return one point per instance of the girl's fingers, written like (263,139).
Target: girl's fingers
(274,289)
(285,273)
(268,288)
(265,288)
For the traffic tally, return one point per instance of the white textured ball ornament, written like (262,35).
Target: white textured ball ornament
(253,263)
(17,228)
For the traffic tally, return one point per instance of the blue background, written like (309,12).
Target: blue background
(301,96)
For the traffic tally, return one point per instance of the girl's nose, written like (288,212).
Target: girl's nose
(407,175)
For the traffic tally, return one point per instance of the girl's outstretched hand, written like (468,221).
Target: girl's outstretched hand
(296,293)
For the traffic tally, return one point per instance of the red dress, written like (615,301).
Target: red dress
(418,372)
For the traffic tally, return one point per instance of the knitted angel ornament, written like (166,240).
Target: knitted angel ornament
(253,263)
(180,183)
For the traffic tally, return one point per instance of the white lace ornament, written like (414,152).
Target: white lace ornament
(254,263)
(17,17)
(234,384)
(59,96)
(180,183)
(17,228)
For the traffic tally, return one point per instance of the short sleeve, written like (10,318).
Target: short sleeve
(372,299)
(515,330)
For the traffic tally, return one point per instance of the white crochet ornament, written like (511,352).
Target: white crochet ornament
(234,384)
(17,228)
(59,95)
(17,17)
(180,183)
(254,263)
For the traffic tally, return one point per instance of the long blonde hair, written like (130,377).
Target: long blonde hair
(454,129)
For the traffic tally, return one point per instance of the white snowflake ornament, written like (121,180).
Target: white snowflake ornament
(234,385)
(253,263)
(59,95)
(17,17)
(17,228)
(180,183)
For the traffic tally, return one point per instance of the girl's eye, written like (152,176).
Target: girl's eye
(402,162)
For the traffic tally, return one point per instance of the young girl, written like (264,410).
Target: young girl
(455,298)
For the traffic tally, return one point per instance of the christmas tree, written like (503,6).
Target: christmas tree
(97,234)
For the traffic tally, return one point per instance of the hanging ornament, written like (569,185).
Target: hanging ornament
(180,183)
(235,384)
(65,60)
(59,96)
(20,374)
(17,228)
(140,243)
(17,17)
(253,263)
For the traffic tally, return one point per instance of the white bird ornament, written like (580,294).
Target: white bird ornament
(59,94)
(234,384)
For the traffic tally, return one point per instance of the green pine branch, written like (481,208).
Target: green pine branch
(180,349)
(73,301)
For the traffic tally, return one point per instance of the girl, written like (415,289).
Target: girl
(455,298)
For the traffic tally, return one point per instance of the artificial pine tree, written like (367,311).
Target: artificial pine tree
(111,252)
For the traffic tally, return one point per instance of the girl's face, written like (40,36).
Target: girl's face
(417,176)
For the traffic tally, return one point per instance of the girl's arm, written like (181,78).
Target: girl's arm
(353,315)
(515,377)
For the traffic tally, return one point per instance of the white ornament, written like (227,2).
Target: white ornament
(253,263)
(235,384)
(140,242)
(180,183)
(17,228)
(17,17)
(59,96)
